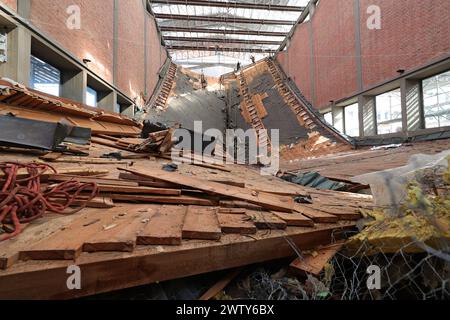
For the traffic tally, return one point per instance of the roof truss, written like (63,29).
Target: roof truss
(231,4)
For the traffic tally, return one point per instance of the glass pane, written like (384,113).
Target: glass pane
(389,112)
(44,77)
(436,92)
(91,97)
(352,120)
(328,118)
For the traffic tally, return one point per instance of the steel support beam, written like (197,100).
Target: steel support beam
(222,19)
(223,40)
(226,49)
(231,4)
(224,32)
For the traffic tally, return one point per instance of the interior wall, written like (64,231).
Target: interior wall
(95,40)
(413,34)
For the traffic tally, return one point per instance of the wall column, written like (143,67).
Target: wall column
(412,105)
(18,65)
(74,85)
(367,116)
(107,101)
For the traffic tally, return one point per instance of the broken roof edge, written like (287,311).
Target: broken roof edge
(10,88)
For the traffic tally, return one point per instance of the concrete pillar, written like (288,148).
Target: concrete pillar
(338,118)
(412,105)
(24,8)
(74,85)
(107,100)
(18,65)
(367,116)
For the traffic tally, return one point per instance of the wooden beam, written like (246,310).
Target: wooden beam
(115,271)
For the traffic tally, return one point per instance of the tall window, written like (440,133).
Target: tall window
(436,100)
(44,77)
(91,97)
(328,118)
(389,112)
(351,117)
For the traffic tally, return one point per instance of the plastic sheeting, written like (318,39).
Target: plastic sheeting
(389,187)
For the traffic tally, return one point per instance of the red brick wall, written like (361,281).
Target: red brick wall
(298,59)
(413,32)
(155,55)
(12,4)
(130,60)
(334,51)
(95,39)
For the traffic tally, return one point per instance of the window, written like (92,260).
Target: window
(389,112)
(91,97)
(351,116)
(44,77)
(436,100)
(328,117)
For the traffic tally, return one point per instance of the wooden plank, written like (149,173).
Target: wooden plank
(220,285)
(32,233)
(114,182)
(162,199)
(294,219)
(97,202)
(315,264)
(121,234)
(271,202)
(315,214)
(266,220)
(66,244)
(201,223)
(236,223)
(165,227)
(139,190)
(89,160)
(232,210)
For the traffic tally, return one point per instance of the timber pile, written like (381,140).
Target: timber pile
(179,207)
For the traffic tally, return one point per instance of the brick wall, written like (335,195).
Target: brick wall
(12,4)
(334,51)
(413,33)
(130,59)
(95,39)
